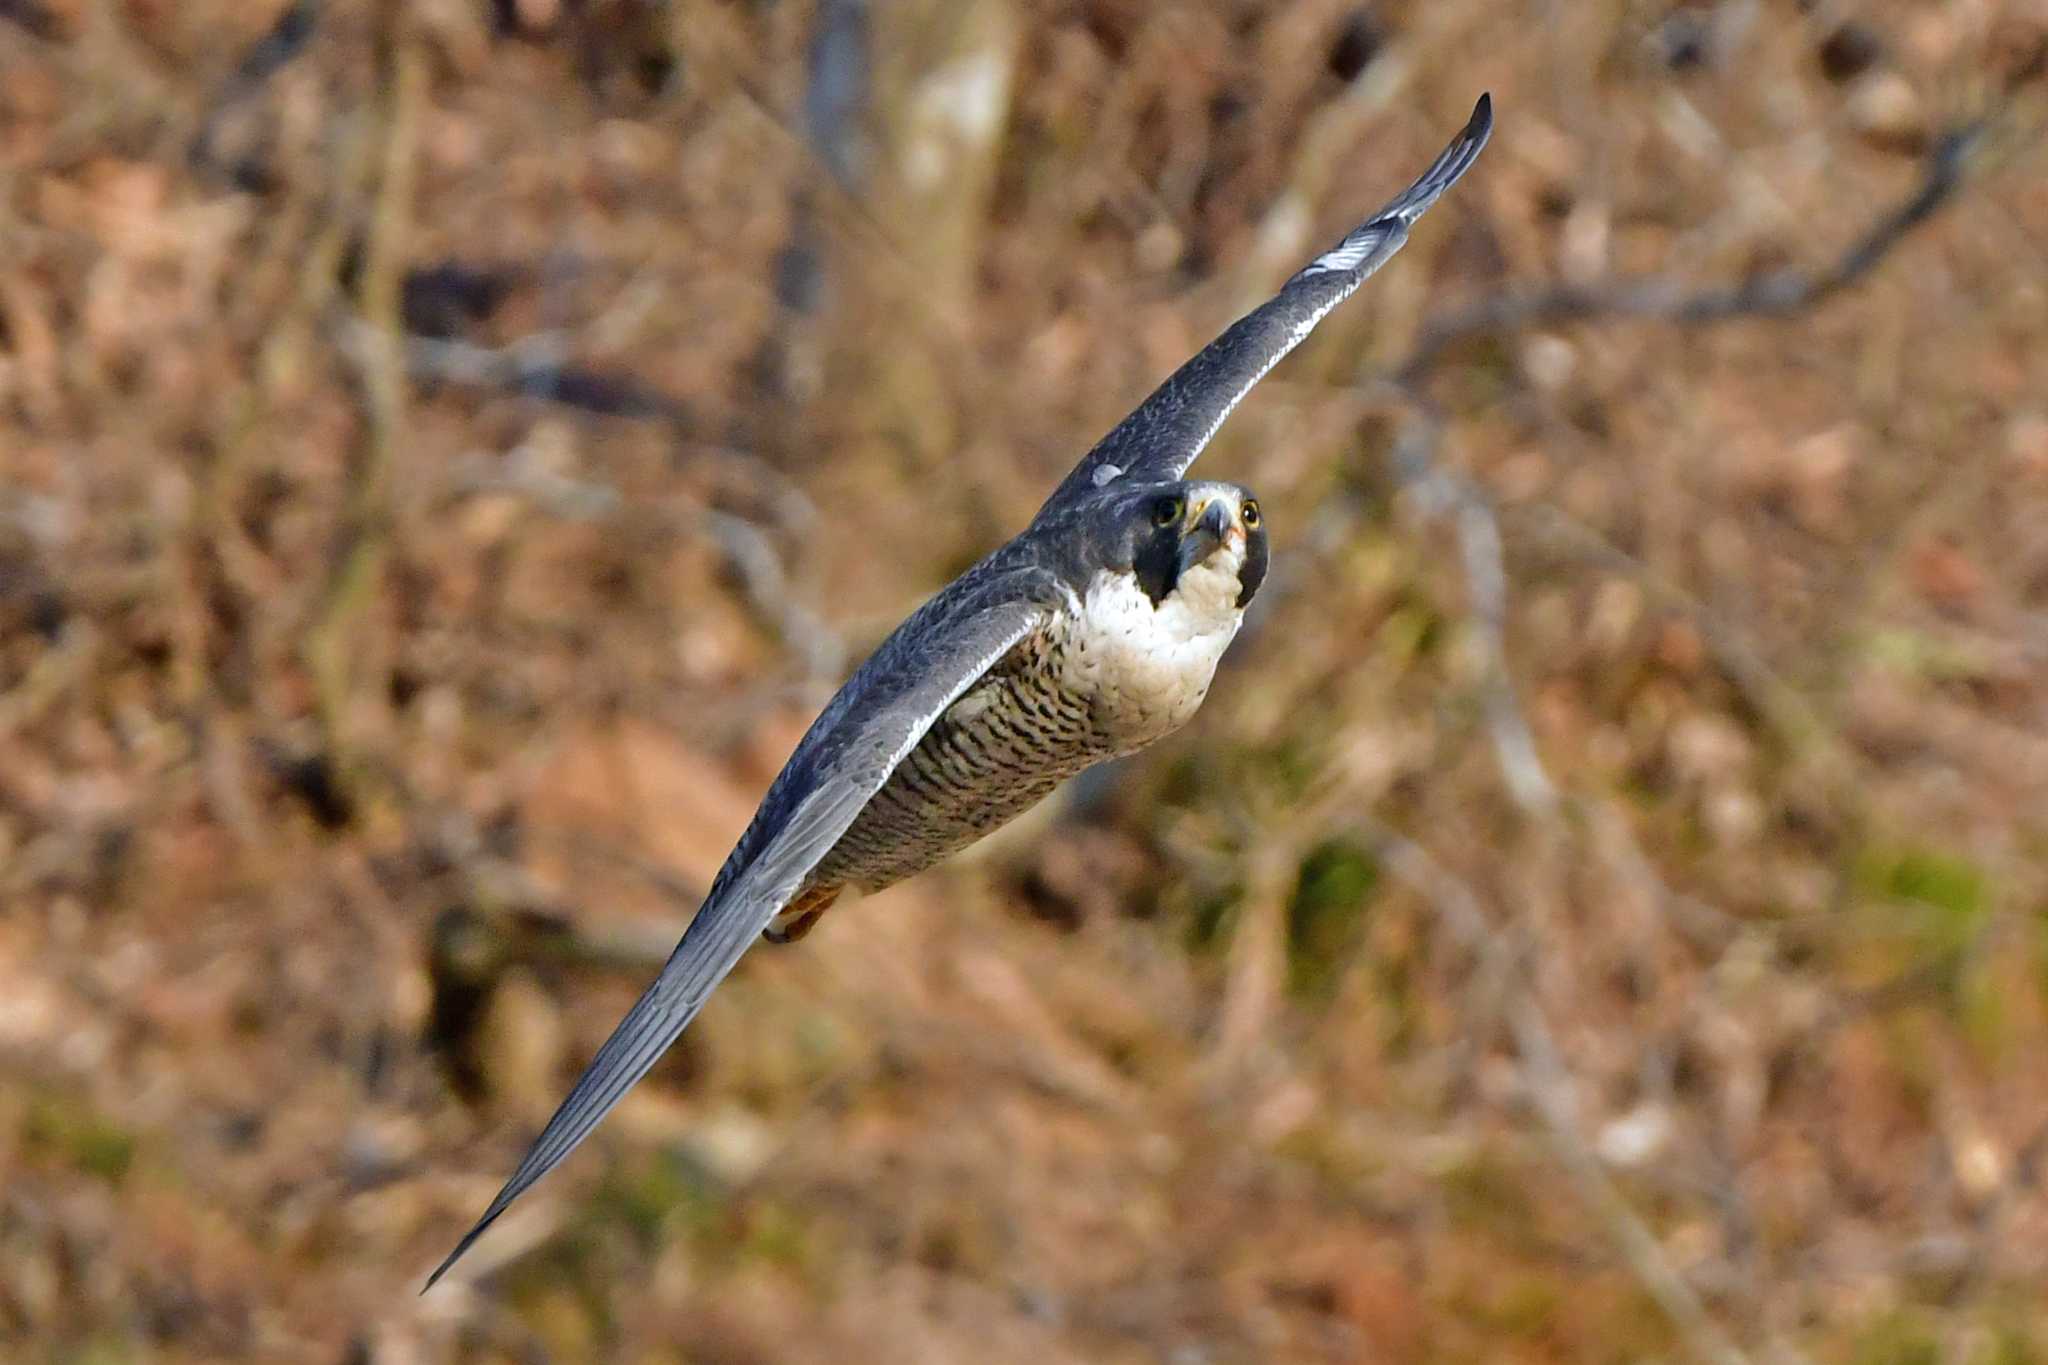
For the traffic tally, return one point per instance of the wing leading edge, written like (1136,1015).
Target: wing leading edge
(844,760)
(1168,430)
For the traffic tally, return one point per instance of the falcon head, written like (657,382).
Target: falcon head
(1197,542)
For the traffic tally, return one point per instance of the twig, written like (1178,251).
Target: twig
(533,367)
(1479,544)
(1548,1086)
(1707,925)
(762,577)
(1776,294)
(838,76)
(284,40)
(561,496)
(748,549)
(329,646)
(1797,723)
(51,679)
(1547,1078)
(1256,970)
(32,18)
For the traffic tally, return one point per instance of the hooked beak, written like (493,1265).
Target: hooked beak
(1211,530)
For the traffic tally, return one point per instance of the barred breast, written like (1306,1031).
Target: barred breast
(996,752)
(1104,679)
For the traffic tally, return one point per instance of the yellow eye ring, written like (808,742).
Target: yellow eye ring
(1166,511)
(1250,512)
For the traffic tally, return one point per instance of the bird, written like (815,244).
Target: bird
(1092,634)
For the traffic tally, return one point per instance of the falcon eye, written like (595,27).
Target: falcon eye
(1250,513)
(1166,511)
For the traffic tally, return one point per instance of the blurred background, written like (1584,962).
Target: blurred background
(449,450)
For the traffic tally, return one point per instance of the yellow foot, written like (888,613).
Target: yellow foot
(801,915)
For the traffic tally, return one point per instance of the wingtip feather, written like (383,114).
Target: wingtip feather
(468,1240)
(1469,143)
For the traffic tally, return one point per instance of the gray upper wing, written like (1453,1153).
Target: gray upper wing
(1162,438)
(868,728)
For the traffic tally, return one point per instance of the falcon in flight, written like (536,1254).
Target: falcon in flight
(1092,634)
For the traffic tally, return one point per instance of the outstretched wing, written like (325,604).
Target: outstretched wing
(1162,438)
(868,728)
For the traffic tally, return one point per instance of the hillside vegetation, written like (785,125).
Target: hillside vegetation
(449,450)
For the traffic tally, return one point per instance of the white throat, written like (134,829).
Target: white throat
(1147,668)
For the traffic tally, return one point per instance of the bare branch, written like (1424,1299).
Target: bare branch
(332,639)
(1776,294)
(534,368)
(283,41)
(1546,1077)
(1547,1083)
(836,90)
(1415,455)
(759,567)
(1479,545)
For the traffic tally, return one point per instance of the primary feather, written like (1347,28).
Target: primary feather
(1169,429)
(844,759)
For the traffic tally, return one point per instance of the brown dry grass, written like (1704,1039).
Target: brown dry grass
(364,728)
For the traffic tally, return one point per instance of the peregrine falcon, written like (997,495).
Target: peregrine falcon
(1093,633)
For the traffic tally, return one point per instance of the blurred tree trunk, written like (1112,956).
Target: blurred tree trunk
(942,81)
